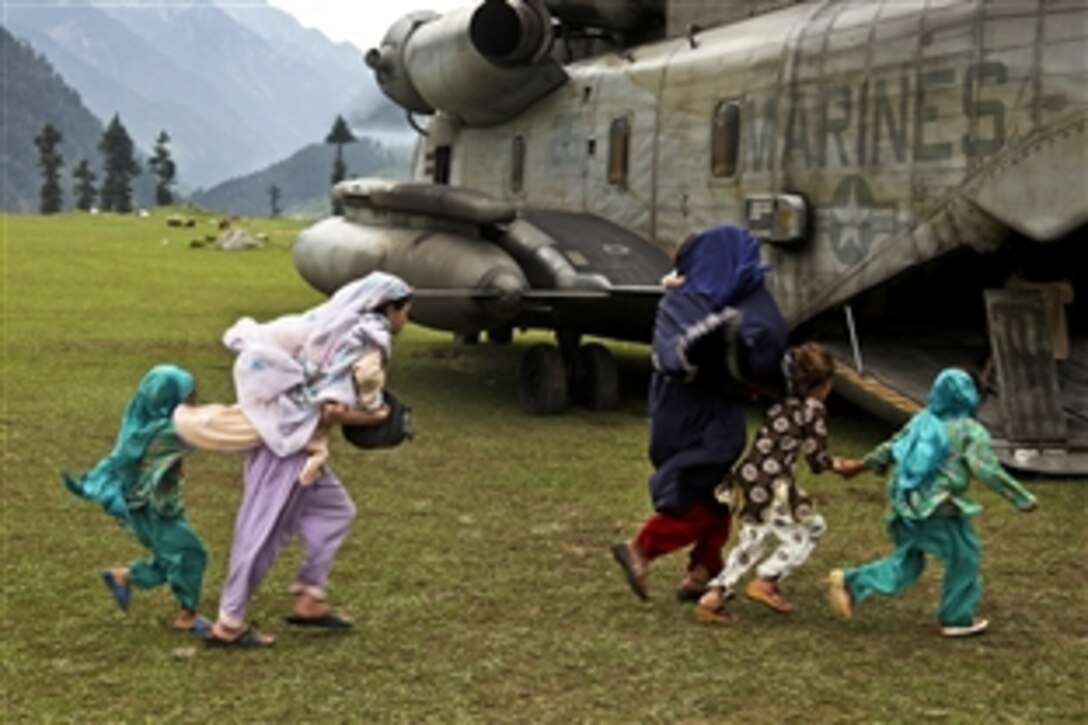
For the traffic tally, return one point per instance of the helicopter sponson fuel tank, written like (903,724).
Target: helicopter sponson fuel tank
(425,233)
(481,65)
(478,263)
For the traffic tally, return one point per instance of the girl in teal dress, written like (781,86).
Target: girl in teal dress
(139,484)
(935,455)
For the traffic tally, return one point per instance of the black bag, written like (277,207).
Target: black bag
(391,432)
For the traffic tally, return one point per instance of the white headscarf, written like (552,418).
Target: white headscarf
(287,367)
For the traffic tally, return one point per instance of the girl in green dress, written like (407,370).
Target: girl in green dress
(935,455)
(139,484)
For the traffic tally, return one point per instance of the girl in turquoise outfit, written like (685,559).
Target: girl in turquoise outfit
(139,484)
(935,455)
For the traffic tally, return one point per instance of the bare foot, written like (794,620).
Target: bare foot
(310,607)
(711,607)
(713,599)
(638,559)
(633,563)
(185,619)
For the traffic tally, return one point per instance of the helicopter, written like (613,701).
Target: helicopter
(916,173)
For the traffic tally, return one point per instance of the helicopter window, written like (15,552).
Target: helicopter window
(619,142)
(517,164)
(725,139)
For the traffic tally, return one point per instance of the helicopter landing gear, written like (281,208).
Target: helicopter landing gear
(497,336)
(596,381)
(500,336)
(552,376)
(543,380)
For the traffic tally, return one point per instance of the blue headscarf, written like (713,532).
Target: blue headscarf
(721,264)
(924,448)
(162,389)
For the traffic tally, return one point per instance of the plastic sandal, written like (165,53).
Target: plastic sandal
(329,620)
(201,627)
(120,592)
(249,639)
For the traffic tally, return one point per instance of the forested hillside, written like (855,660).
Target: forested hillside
(304,179)
(238,86)
(33,95)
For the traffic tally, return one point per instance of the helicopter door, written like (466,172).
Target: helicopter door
(619,172)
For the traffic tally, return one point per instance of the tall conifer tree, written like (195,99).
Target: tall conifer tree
(120,165)
(274,200)
(163,166)
(50,161)
(339,135)
(85,190)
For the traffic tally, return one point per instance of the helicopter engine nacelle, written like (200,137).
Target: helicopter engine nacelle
(610,15)
(482,65)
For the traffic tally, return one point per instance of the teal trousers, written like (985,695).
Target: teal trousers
(178,556)
(950,538)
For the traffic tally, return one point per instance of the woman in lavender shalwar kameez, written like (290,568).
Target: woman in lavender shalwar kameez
(296,376)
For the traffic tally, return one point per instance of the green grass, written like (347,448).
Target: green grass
(478,568)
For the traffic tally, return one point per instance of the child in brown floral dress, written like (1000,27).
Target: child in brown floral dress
(763,491)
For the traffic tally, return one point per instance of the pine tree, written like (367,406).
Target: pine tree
(274,200)
(164,168)
(338,136)
(120,167)
(84,190)
(50,161)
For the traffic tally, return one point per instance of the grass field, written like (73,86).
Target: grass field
(478,568)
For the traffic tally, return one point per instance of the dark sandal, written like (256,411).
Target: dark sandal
(690,593)
(623,558)
(329,620)
(249,639)
(201,627)
(121,592)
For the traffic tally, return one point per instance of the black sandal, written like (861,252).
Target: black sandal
(689,595)
(328,620)
(248,639)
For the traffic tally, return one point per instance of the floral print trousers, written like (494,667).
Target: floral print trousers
(796,539)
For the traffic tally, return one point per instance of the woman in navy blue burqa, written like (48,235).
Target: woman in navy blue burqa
(717,330)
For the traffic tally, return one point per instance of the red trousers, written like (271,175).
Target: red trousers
(701,525)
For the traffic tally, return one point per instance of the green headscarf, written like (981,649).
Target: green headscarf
(924,448)
(111,481)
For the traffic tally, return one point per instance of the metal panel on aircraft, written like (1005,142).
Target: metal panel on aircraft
(595,246)
(1023,355)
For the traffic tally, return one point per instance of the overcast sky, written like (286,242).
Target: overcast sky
(362,22)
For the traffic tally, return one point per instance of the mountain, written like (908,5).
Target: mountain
(238,86)
(33,95)
(303,179)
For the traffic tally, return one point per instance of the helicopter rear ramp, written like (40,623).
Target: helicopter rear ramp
(894,379)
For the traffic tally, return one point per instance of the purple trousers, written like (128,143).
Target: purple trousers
(275,508)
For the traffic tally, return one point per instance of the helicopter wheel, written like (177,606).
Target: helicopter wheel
(500,336)
(466,338)
(596,378)
(543,380)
